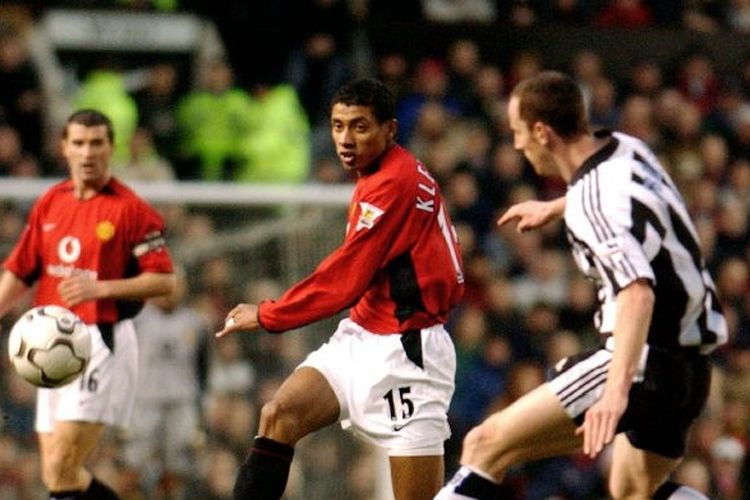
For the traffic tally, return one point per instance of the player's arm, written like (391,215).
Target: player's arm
(82,288)
(533,214)
(11,289)
(343,276)
(243,317)
(635,306)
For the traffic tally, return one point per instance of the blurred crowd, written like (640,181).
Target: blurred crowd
(526,306)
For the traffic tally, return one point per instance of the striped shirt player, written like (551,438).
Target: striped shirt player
(114,235)
(626,220)
(659,315)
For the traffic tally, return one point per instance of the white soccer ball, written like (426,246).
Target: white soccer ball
(49,346)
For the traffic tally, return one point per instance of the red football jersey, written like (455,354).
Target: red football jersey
(400,265)
(113,235)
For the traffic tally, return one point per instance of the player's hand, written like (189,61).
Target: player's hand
(243,317)
(600,424)
(533,214)
(77,289)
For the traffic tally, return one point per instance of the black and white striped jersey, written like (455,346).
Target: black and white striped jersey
(626,220)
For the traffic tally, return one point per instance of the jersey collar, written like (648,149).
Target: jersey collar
(598,157)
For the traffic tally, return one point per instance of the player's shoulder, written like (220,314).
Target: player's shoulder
(399,166)
(630,148)
(57,189)
(616,158)
(130,199)
(122,190)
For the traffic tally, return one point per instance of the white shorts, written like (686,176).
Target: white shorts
(385,397)
(105,393)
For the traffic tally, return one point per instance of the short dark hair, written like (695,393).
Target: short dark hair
(555,99)
(90,118)
(368,92)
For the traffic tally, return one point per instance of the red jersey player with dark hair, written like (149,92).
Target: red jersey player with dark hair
(387,373)
(93,246)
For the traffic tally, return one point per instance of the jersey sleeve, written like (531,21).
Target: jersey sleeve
(604,215)
(24,260)
(148,243)
(376,217)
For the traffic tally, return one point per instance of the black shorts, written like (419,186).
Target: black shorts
(661,407)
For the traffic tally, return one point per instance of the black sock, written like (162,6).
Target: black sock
(95,491)
(99,491)
(676,491)
(264,474)
(66,495)
(469,484)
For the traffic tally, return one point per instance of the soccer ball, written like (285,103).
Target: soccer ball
(49,346)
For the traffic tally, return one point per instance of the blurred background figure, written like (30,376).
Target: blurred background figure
(103,89)
(144,162)
(208,124)
(274,137)
(21,97)
(166,428)
(157,104)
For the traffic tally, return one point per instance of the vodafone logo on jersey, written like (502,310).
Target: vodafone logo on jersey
(69,249)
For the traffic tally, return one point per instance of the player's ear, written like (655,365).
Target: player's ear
(540,131)
(392,129)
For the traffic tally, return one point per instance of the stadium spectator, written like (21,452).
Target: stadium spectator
(21,97)
(447,11)
(430,86)
(104,89)
(627,14)
(209,124)
(157,104)
(393,71)
(144,163)
(273,145)
(603,109)
(463,63)
(10,149)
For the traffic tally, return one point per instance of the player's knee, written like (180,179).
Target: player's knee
(481,447)
(278,422)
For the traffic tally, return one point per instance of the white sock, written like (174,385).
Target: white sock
(675,491)
(687,493)
(469,484)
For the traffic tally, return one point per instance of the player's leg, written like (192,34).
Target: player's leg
(637,473)
(645,455)
(63,454)
(533,427)
(71,419)
(304,403)
(416,478)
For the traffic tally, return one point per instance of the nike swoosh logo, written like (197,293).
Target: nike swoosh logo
(397,428)
(49,226)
